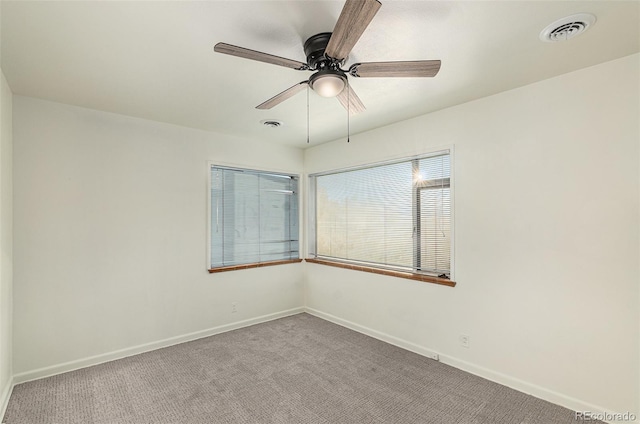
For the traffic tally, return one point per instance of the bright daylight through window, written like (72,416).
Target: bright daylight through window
(254,217)
(394,215)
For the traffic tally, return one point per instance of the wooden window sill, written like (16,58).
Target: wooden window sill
(409,275)
(256,265)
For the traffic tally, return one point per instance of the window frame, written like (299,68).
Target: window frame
(427,276)
(230,166)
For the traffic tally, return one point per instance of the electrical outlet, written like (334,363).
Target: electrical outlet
(234,307)
(464,340)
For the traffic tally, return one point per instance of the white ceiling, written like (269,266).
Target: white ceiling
(155,60)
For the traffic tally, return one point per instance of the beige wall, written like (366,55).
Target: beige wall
(6,243)
(110,237)
(110,246)
(546,239)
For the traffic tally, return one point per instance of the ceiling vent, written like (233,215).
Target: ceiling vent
(271,123)
(569,27)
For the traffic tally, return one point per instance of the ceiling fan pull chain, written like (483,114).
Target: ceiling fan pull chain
(307,114)
(348,111)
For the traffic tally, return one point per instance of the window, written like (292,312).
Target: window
(254,217)
(393,215)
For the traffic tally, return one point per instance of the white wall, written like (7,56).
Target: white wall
(6,231)
(546,239)
(110,234)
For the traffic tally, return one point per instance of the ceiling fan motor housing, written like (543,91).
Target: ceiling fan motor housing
(314,48)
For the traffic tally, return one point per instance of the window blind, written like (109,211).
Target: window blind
(254,217)
(434,214)
(395,215)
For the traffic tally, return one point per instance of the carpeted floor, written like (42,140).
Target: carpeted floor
(299,369)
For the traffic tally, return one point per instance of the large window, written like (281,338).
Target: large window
(254,217)
(394,215)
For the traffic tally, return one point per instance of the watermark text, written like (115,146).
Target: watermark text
(604,416)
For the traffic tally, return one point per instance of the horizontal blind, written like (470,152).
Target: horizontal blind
(393,215)
(254,217)
(434,229)
(365,215)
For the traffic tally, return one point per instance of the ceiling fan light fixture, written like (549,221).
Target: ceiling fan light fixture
(328,83)
(327,52)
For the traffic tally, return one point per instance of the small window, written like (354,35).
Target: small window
(254,217)
(394,215)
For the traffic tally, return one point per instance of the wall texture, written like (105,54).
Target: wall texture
(110,220)
(6,242)
(110,246)
(546,239)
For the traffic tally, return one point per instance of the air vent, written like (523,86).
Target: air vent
(271,123)
(567,28)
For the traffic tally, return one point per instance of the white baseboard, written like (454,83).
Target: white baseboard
(497,377)
(375,334)
(4,397)
(514,383)
(135,350)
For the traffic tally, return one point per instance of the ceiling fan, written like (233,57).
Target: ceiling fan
(326,53)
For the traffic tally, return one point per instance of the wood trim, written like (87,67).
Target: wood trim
(255,265)
(409,275)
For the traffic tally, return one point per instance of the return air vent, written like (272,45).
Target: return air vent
(271,123)
(566,28)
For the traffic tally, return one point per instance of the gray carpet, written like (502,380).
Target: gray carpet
(299,369)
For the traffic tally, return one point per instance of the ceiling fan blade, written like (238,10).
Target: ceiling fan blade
(259,56)
(350,100)
(416,68)
(279,98)
(354,19)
